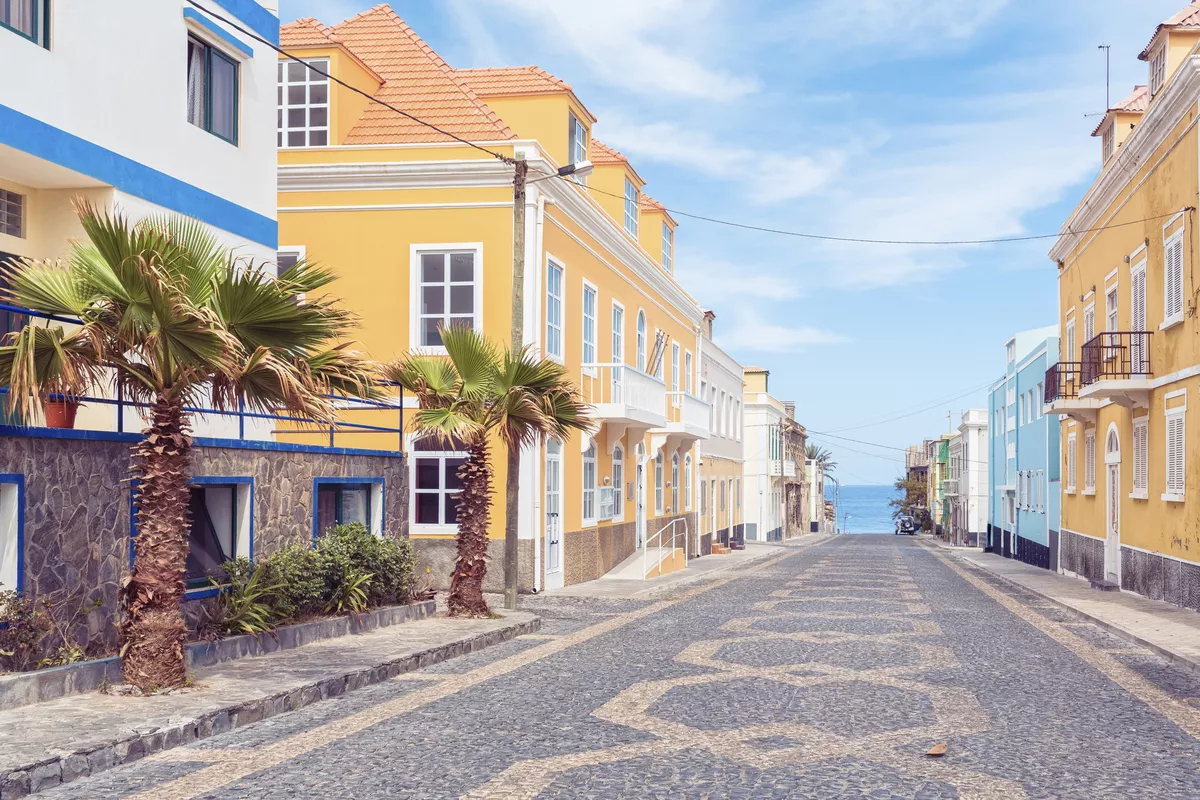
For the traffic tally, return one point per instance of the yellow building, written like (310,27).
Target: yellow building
(1130,352)
(419,228)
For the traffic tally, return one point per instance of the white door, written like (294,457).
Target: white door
(640,484)
(554,572)
(1112,544)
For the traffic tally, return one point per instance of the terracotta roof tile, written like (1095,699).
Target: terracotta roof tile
(1136,102)
(649,204)
(502,81)
(305,32)
(1187,18)
(603,154)
(415,80)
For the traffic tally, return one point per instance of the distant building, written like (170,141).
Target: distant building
(966,489)
(722,458)
(796,513)
(764,459)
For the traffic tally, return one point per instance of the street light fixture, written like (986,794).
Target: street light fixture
(520,181)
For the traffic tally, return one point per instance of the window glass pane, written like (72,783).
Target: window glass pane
(461,322)
(462,267)
(452,509)
(462,299)
(295,117)
(433,299)
(279,74)
(318,138)
(279,98)
(433,268)
(296,139)
(296,72)
(427,473)
(452,465)
(296,95)
(195,82)
(318,117)
(427,508)
(430,334)
(224,97)
(318,94)
(354,505)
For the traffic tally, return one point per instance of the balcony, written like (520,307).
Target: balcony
(686,423)
(950,487)
(1061,393)
(1116,368)
(624,400)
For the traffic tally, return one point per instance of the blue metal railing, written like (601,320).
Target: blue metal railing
(121,403)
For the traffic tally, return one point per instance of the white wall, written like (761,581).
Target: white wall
(118,78)
(719,371)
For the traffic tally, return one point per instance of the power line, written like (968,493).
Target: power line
(918,411)
(678,212)
(237,26)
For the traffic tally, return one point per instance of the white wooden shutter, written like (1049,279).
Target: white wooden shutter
(1175,454)
(1173,258)
(1139,457)
(1071,463)
(1089,456)
(1138,320)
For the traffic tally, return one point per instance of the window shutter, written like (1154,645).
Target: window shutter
(1089,455)
(1139,458)
(1174,278)
(1175,454)
(1071,474)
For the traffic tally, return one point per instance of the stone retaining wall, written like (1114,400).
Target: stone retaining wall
(1083,555)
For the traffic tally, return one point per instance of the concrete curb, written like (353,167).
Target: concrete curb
(1124,633)
(63,767)
(38,686)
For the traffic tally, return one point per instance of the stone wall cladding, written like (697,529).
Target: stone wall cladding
(436,556)
(77,513)
(1160,578)
(591,552)
(1083,555)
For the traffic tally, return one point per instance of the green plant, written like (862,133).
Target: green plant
(171,316)
(297,572)
(245,599)
(350,591)
(391,561)
(22,626)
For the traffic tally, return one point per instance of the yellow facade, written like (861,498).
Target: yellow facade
(1141,366)
(373,212)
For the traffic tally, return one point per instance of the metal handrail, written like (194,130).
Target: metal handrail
(1116,354)
(660,547)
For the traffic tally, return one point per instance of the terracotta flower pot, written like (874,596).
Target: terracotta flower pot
(61,413)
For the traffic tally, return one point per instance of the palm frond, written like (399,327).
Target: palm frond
(475,359)
(36,363)
(458,421)
(44,286)
(261,312)
(433,380)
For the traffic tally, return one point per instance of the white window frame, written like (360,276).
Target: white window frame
(1072,462)
(12,532)
(415,284)
(1173,279)
(631,208)
(687,483)
(618,471)
(1039,398)
(675,398)
(298,252)
(1158,69)
(284,82)
(1108,142)
(589,290)
(641,340)
(1089,461)
(588,495)
(688,368)
(577,145)
(1175,490)
(668,248)
(1112,309)
(555,350)
(1089,322)
(737,426)
(1070,342)
(429,528)
(12,213)
(1141,458)
(659,481)
(618,332)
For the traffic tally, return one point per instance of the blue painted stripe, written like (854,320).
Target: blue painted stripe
(66,149)
(235,444)
(218,32)
(18,479)
(255,17)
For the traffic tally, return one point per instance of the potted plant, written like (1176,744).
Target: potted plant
(51,364)
(60,412)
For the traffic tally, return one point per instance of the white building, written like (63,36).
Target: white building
(966,488)
(721,502)
(158,107)
(764,489)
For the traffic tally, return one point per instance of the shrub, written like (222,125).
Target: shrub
(247,600)
(22,626)
(297,573)
(390,562)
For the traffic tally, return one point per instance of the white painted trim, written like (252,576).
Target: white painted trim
(1171,396)
(1081,533)
(585,285)
(1171,222)
(353,176)
(562,300)
(1109,277)
(1070,312)
(1171,321)
(391,207)
(414,253)
(1138,251)
(1173,498)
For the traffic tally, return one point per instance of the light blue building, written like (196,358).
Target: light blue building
(1023,455)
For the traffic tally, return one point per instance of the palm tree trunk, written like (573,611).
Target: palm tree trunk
(474,514)
(512,499)
(152,629)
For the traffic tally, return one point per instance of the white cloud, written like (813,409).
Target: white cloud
(768,177)
(907,24)
(710,280)
(647,46)
(751,333)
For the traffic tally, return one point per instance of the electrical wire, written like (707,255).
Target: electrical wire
(914,413)
(255,36)
(675,211)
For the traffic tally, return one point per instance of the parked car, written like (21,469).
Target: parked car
(906,524)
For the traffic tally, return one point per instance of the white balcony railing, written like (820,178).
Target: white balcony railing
(688,411)
(789,469)
(619,391)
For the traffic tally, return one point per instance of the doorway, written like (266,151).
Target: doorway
(553,505)
(640,490)
(1112,528)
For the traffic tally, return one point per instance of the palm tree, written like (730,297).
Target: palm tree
(473,393)
(821,457)
(171,318)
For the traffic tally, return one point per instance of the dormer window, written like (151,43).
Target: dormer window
(631,208)
(1109,141)
(576,145)
(1158,70)
(303,96)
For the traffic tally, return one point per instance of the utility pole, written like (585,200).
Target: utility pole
(513,478)
(1107,48)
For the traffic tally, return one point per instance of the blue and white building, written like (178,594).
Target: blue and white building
(1023,455)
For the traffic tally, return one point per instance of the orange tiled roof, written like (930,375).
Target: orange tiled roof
(305,32)
(414,79)
(1136,102)
(603,154)
(516,81)
(649,204)
(1187,18)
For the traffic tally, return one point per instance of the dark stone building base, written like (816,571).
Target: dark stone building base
(1160,578)
(435,563)
(591,552)
(1032,553)
(1083,555)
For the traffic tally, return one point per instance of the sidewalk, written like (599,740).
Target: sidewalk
(698,569)
(1169,630)
(45,744)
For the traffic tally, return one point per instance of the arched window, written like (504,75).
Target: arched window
(687,484)
(589,484)
(641,340)
(675,484)
(618,481)
(658,483)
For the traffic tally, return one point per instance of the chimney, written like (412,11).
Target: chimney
(790,408)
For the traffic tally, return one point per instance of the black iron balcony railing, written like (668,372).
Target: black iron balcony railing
(1116,354)
(1063,381)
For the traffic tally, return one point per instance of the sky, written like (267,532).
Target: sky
(881,119)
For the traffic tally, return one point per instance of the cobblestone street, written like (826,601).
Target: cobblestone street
(825,672)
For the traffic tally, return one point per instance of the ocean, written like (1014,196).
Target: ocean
(867,507)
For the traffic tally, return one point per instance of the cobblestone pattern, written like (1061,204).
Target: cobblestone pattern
(826,673)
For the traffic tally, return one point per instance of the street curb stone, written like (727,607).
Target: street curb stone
(1123,633)
(62,767)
